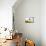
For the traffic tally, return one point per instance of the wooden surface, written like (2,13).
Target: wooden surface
(8,43)
(16,41)
(29,43)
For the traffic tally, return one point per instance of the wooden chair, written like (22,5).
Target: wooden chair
(18,37)
(29,43)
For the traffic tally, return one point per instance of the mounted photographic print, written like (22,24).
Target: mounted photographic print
(29,20)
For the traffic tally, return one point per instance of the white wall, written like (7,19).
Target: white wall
(29,8)
(6,13)
(43,22)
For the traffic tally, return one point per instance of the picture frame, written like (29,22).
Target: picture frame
(29,20)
